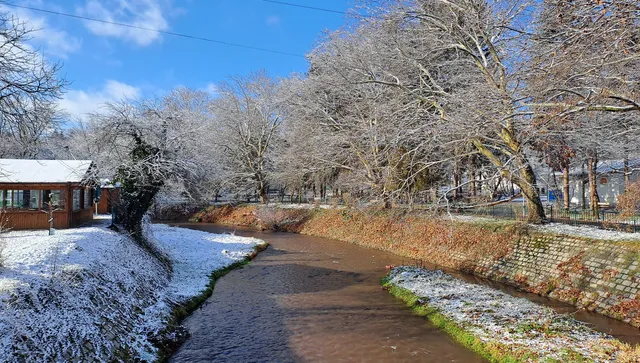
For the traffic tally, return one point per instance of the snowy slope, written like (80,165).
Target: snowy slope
(93,294)
(496,317)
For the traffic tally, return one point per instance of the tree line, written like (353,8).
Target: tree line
(409,101)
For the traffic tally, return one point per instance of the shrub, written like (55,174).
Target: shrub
(228,215)
(278,219)
(629,201)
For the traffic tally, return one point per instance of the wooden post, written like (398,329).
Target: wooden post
(69,205)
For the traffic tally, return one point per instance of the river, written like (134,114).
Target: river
(309,299)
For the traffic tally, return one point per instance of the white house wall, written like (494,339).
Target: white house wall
(608,192)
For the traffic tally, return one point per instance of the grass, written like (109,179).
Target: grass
(167,347)
(491,351)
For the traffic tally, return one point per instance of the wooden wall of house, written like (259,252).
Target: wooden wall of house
(108,198)
(38,219)
(81,216)
(34,220)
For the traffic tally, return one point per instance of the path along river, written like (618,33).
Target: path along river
(309,299)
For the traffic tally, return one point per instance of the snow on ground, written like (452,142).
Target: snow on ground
(494,316)
(587,232)
(304,206)
(91,293)
(204,253)
(560,228)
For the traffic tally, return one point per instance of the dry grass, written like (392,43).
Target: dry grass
(228,215)
(278,219)
(629,354)
(418,237)
(455,245)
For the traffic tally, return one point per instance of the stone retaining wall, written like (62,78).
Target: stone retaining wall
(599,276)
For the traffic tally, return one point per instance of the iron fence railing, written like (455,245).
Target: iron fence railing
(606,219)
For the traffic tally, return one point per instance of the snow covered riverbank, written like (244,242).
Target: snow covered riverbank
(506,324)
(92,294)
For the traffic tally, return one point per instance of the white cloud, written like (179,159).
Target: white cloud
(141,13)
(212,89)
(53,41)
(273,20)
(79,103)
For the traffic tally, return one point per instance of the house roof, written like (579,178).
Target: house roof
(43,171)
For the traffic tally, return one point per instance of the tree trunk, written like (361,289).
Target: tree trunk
(387,201)
(528,186)
(263,194)
(592,164)
(627,174)
(473,182)
(457,193)
(565,187)
(583,192)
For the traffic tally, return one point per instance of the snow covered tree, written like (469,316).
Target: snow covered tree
(29,87)
(247,121)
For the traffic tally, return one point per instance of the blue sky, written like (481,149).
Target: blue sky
(106,62)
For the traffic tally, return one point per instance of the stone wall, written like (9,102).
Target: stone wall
(599,276)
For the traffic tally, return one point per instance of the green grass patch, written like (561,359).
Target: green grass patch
(166,347)
(492,352)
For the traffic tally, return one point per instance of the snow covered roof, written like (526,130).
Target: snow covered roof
(608,166)
(43,171)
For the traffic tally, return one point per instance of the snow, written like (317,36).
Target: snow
(206,252)
(494,316)
(304,206)
(587,232)
(91,292)
(560,228)
(43,171)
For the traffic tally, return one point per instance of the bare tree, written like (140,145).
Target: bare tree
(588,55)
(247,128)
(145,144)
(29,87)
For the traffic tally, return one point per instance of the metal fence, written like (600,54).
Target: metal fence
(606,219)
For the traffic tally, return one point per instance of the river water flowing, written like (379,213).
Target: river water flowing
(309,299)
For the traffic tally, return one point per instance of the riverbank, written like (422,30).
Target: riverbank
(93,294)
(589,268)
(500,327)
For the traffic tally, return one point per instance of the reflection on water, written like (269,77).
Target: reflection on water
(317,300)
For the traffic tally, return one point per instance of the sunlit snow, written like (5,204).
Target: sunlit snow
(89,292)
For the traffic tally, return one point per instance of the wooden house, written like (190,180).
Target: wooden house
(31,188)
(109,196)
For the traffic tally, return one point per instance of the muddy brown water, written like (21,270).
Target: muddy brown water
(309,299)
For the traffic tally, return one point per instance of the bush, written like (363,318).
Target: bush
(629,202)
(279,219)
(228,215)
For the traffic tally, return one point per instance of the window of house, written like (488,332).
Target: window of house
(76,200)
(87,197)
(7,198)
(18,200)
(53,196)
(34,199)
